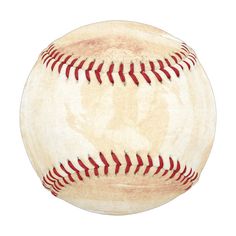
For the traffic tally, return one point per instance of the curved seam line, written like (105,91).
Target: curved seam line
(190,53)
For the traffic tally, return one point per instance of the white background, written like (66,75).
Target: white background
(27,27)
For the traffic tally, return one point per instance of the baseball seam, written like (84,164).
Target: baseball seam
(58,178)
(160,69)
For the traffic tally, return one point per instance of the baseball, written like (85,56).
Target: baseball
(118,117)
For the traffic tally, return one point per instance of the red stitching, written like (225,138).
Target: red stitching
(53,55)
(106,165)
(193,57)
(96,166)
(56,61)
(182,173)
(162,68)
(52,180)
(67,172)
(69,67)
(75,170)
(109,73)
(161,165)
(154,72)
(175,171)
(173,68)
(45,181)
(120,72)
(78,68)
(140,163)
(178,54)
(165,172)
(97,73)
(191,176)
(63,62)
(90,67)
(186,176)
(128,163)
(132,75)
(148,167)
(86,169)
(45,52)
(185,48)
(188,65)
(144,74)
(171,163)
(58,175)
(116,160)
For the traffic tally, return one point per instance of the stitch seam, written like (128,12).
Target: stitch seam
(55,182)
(160,68)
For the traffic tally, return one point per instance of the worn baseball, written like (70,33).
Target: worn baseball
(118,117)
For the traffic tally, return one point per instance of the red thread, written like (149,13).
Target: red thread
(174,58)
(63,63)
(188,187)
(60,184)
(50,48)
(60,176)
(69,67)
(78,68)
(131,73)
(162,68)
(144,74)
(128,163)
(109,73)
(195,177)
(55,187)
(188,65)
(184,47)
(45,186)
(191,60)
(176,61)
(45,180)
(186,181)
(97,73)
(193,57)
(106,165)
(55,194)
(70,164)
(51,57)
(186,176)
(161,165)
(150,164)
(173,68)
(67,172)
(171,163)
(90,67)
(86,169)
(178,54)
(175,171)
(165,172)
(56,61)
(45,52)
(116,160)
(53,54)
(96,166)
(120,72)
(53,182)
(49,178)
(182,173)
(140,163)
(45,59)
(154,72)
